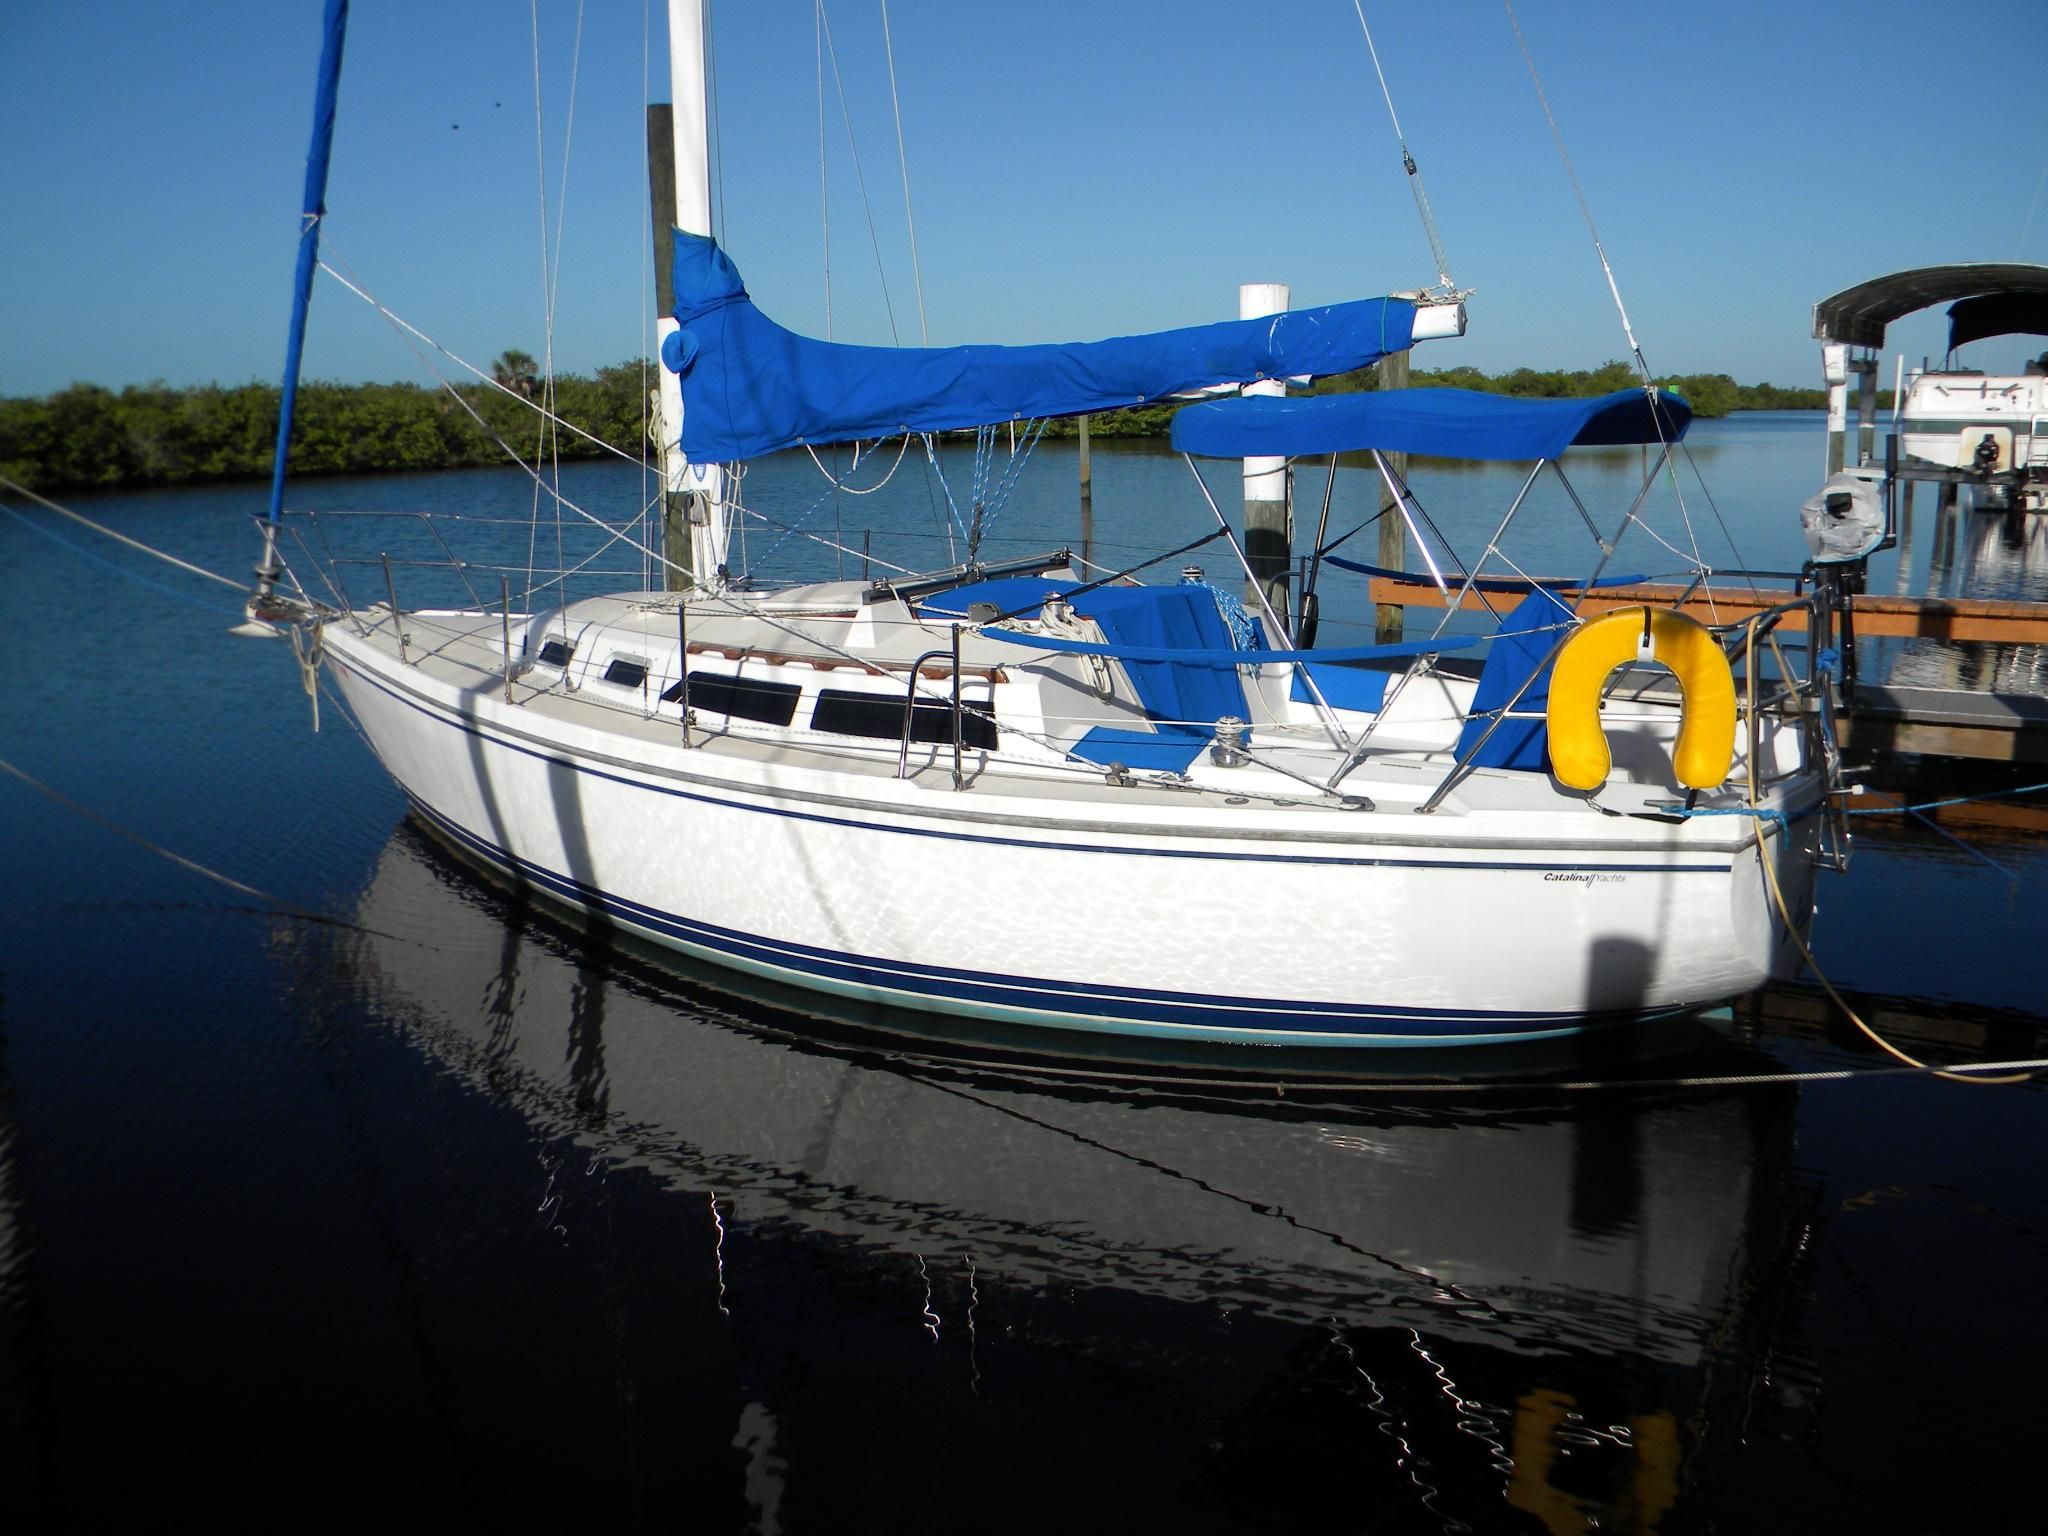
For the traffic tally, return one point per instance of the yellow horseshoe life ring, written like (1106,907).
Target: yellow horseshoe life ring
(1706,729)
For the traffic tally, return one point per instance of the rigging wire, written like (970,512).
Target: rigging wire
(714,127)
(1436,244)
(824,163)
(903,163)
(859,176)
(1579,192)
(548,443)
(554,273)
(398,322)
(618,535)
(647,300)
(2026,229)
(1669,470)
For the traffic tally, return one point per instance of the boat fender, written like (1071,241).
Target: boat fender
(1706,731)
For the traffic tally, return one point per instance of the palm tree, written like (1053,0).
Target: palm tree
(516,371)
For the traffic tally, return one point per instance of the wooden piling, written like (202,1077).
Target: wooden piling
(1087,497)
(1393,547)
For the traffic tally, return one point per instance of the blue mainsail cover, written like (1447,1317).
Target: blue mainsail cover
(750,387)
(1448,423)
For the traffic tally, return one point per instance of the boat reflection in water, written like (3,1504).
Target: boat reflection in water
(1549,1299)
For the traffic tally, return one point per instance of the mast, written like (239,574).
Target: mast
(335,28)
(694,494)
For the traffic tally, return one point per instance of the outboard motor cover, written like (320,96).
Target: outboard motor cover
(1844,519)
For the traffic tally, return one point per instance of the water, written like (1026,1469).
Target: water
(436,1204)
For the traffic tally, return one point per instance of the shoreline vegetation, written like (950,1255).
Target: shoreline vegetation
(88,437)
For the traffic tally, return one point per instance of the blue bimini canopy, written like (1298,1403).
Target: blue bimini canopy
(1448,423)
(750,387)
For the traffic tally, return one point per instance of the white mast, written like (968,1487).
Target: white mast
(705,483)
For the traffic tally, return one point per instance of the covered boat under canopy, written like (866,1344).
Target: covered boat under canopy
(751,387)
(1860,314)
(1446,423)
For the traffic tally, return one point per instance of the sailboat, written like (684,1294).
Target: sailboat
(1028,793)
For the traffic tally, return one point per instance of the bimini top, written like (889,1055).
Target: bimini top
(1860,314)
(750,387)
(1448,423)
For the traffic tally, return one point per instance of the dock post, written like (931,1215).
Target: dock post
(1268,519)
(1905,578)
(1835,370)
(1865,369)
(1390,619)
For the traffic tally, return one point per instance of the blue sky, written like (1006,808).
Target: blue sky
(1076,170)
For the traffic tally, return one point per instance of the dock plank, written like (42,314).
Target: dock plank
(1875,614)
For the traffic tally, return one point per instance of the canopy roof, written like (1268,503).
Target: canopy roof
(1449,423)
(751,387)
(1860,314)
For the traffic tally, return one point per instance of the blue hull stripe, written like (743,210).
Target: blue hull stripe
(1129,1010)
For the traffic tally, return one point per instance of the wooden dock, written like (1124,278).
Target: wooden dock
(1933,618)
(1943,722)
(1948,722)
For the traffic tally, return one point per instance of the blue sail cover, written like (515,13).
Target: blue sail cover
(1447,423)
(750,387)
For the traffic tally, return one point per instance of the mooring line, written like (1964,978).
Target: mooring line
(1900,808)
(278,903)
(97,559)
(1311,1089)
(77,517)
(1793,928)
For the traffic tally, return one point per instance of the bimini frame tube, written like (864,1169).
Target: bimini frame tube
(309,247)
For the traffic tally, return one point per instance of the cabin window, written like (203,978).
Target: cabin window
(626,672)
(556,652)
(740,698)
(847,713)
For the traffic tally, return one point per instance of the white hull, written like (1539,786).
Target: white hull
(1993,424)
(1043,902)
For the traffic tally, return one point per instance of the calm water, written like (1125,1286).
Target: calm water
(436,1206)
